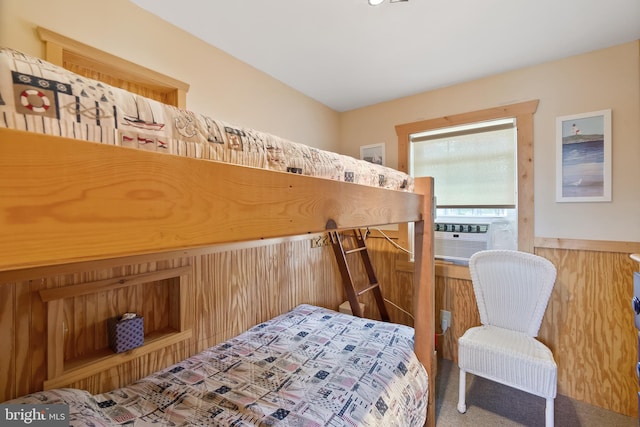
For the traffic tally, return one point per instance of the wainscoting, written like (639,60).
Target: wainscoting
(227,291)
(588,323)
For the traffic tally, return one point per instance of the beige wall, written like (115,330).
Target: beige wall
(604,79)
(221,86)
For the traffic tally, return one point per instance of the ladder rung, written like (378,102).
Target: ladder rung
(368,288)
(350,251)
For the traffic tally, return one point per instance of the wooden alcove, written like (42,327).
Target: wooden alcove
(63,369)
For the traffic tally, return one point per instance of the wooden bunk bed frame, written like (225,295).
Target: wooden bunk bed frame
(64,201)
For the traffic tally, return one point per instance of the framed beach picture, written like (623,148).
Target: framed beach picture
(583,157)
(373,153)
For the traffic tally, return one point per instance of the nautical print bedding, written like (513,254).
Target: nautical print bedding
(38,96)
(308,367)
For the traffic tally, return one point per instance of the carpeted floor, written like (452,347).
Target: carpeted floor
(490,404)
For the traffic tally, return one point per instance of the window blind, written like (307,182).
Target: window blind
(472,165)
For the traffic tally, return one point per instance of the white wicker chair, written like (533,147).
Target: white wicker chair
(512,290)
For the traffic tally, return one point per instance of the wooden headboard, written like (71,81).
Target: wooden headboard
(100,65)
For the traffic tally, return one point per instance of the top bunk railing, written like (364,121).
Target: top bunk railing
(63,201)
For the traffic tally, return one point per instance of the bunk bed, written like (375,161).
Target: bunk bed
(91,172)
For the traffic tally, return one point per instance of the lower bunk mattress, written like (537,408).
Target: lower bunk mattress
(308,367)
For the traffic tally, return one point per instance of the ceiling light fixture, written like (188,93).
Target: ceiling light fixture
(379,2)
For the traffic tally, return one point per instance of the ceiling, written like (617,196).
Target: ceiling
(347,54)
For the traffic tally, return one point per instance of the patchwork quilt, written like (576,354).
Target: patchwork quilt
(308,367)
(38,96)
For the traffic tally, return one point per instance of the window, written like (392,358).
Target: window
(474,170)
(523,115)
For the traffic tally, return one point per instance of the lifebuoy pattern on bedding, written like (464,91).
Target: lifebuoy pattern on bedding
(38,96)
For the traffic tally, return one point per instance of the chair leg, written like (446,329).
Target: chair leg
(548,412)
(462,390)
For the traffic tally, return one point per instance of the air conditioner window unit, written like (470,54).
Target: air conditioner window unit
(456,239)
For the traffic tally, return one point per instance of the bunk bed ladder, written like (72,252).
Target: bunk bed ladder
(347,279)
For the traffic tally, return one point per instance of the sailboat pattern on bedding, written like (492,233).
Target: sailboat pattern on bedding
(308,367)
(38,96)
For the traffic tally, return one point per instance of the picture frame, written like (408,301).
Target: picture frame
(373,153)
(583,157)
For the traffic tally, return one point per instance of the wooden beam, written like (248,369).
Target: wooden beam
(424,292)
(63,200)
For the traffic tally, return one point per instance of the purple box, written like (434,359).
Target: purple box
(125,334)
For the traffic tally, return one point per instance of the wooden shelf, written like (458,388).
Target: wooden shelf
(61,372)
(75,370)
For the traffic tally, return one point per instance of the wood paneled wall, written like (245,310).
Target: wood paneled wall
(588,324)
(589,327)
(455,295)
(228,292)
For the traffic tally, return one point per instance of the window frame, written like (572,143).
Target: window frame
(523,113)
